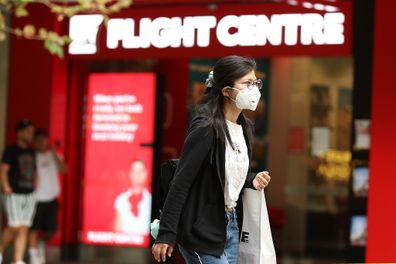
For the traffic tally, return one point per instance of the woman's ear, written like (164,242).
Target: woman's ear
(226,92)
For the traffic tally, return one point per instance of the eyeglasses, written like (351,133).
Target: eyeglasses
(252,84)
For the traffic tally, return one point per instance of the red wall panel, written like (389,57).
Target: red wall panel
(381,246)
(176,73)
(74,154)
(29,89)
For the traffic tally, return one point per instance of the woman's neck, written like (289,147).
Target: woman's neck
(137,190)
(231,112)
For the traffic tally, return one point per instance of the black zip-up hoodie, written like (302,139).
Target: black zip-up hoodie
(193,213)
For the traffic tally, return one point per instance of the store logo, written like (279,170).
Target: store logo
(230,31)
(83,32)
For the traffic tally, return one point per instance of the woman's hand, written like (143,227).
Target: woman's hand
(160,250)
(261,180)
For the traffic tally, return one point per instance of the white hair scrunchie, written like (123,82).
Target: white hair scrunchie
(209,81)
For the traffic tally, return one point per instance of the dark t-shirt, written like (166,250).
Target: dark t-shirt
(22,168)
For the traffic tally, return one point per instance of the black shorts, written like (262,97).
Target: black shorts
(46,217)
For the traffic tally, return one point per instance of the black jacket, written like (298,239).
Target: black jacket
(193,214)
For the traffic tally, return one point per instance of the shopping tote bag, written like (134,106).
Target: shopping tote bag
(256,245)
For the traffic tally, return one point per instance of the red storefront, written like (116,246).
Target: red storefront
(165,48)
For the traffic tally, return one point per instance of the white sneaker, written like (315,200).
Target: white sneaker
(19,262)
(34,257)
(42,251)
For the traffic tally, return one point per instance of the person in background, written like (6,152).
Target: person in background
(133,207)
(49,164)
(18,181)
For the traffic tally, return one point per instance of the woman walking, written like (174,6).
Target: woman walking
(202,211)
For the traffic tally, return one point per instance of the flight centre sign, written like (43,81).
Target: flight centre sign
(252,30)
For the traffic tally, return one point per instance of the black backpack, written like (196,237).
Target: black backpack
(167,171)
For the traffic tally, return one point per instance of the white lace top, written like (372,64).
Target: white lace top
(236,164)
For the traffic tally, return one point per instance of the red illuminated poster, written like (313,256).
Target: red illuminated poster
(118,158)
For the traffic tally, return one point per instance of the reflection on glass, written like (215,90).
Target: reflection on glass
(358,234)
(360,181)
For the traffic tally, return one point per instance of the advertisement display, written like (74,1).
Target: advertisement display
(119,134)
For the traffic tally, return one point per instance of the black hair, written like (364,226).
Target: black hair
(225,72)
(40,133)
(22,124)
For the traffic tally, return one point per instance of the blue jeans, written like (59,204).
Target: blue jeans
(231,252)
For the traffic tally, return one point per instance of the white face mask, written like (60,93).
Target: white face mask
(247,98)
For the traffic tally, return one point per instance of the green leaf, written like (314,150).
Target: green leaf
(71,11)
(29,31)
(85,3)
(52,36)
(20,2)
(67,39)
(54,48)
(114,8)
(125,3)
(18,32)
(57,9)
(102,2)
(102,8)
(21,11)
(64,40)
(43,33)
